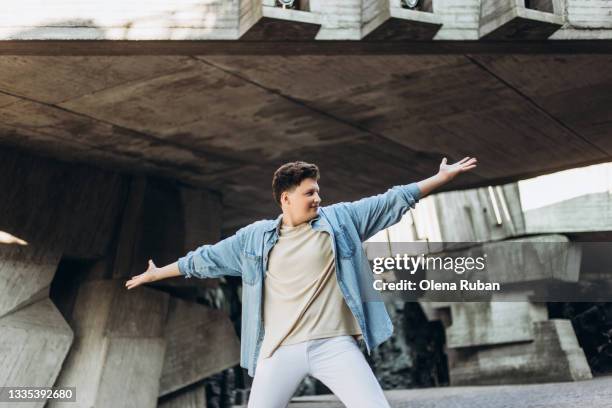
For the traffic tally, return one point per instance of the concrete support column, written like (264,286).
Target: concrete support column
(48,210)
(119,347)
(200,342)
(34,341)
(34,337)
(163,221)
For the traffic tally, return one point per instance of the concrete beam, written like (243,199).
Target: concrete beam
(485,324)
(524,261)
(278,24)
(544,257)
(405,24)
(587,213)
(520,19)
(166,48)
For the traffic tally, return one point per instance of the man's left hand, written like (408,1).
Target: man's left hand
(450,171)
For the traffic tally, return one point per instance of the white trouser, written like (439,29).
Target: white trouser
(335,361)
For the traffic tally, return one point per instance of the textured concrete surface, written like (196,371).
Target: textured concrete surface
(34,342)
(57,208)
(193,397)
(191,355)
(485,324)
(226,122)
(514,20)
(119,346)
(590,212)
(49,210)
(475,214)
(553,355)
(25,276)
(596,393)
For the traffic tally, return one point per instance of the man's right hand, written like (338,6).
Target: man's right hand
(145,277)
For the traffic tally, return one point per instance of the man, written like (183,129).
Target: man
(304,275)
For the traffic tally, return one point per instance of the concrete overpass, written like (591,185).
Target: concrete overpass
(229,102)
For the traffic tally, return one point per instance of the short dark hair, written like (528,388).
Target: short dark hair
(290,175)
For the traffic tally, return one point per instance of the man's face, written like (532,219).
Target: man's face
(303,202)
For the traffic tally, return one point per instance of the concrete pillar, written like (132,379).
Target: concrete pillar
(403,24)
(118,353)
(34,342)
(200,342)
(34,337)
(162,222)
(49,210)
(480,215)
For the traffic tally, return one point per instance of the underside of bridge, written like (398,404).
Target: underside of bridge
(226,122)
(217,94)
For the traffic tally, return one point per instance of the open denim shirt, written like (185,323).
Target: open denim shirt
(245,254)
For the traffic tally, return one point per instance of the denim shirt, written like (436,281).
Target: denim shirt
(245,254)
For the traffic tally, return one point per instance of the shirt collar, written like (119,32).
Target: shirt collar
(278,222)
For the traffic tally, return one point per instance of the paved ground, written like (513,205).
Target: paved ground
(596,393)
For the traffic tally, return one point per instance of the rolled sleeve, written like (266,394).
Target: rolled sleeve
(411,193)
(213,261)
(184,266)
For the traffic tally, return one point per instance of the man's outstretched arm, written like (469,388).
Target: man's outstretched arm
(207,261)
(373,214)
(153,273)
